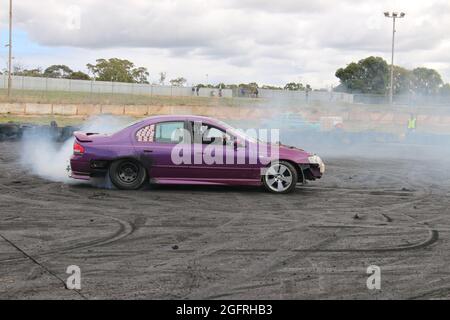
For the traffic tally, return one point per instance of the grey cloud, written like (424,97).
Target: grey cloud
(287,37)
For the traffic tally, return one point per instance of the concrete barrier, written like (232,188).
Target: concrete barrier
(115,110)
(157,110)
(38,108)
(65,110)
(12,108)
(136,111)
(352,116)
(88,109)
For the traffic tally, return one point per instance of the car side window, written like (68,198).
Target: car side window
(146,134)
(169,132)
(212,135)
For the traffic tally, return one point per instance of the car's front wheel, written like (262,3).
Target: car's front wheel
(127,174)
(280,177)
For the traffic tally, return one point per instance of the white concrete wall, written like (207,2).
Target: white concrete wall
(49,84)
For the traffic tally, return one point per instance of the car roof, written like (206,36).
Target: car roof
(177,118)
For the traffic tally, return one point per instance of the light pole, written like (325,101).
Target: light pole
(393,16)
(10,49)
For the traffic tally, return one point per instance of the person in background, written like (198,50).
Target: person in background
(256,92)
(197,89)
(412,123)
(411,127)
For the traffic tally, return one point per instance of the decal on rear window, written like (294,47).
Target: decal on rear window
(146,134)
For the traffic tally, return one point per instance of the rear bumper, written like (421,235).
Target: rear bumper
(83,170)
(79,175)
(79,169)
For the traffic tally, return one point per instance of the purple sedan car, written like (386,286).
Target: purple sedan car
(190,150)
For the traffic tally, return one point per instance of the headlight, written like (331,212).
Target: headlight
(315,159)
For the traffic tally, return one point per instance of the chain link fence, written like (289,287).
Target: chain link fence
(38,89)
(91,86)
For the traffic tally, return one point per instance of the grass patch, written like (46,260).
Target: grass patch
(64,97)
(43,120)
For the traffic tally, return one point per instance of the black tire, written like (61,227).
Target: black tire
(273,178)
(127,174)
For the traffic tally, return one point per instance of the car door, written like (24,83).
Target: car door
(217,156)
(155,142)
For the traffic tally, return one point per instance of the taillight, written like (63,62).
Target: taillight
(78,149)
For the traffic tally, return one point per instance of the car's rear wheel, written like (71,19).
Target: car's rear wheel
(127,174)
(280,177)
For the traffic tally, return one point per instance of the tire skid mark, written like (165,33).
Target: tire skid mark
(257,269)
(125,229)
(386,209)
(47,270)
(433,237)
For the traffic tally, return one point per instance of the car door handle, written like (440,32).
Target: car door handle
(148,151)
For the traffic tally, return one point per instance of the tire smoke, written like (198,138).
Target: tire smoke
(43,155)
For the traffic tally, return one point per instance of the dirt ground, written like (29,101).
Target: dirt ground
(232,243)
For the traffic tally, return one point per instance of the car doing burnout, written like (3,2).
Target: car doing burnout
(178,150)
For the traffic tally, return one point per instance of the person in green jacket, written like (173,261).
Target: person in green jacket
(412,123)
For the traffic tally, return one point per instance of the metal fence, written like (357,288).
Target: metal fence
(404,99)
(322,96)
(44,85)
(91,86)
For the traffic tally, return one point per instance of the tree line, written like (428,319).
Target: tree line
(372,76)
(114,69)
(122,70)
(369,76)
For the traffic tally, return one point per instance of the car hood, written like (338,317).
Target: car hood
(288,153)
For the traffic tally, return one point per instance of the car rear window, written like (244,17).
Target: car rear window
(169,132)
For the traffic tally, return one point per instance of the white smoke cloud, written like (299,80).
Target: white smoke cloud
(43,156)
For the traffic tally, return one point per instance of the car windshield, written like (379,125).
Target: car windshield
(238,133)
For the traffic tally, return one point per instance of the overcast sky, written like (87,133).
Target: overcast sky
(233,41)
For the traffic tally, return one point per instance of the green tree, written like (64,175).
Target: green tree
(402,80)
(27,72)
(162,78)
(250,86)
(292,86)
(59,71)
(178,82)
(270,87)
(445,90)
(369,75)
(78,75)
(231,86)
(140,75)
(426,81)
(118,70)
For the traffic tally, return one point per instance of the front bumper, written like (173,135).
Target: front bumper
(314,169)
(310,172)
(316,160)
